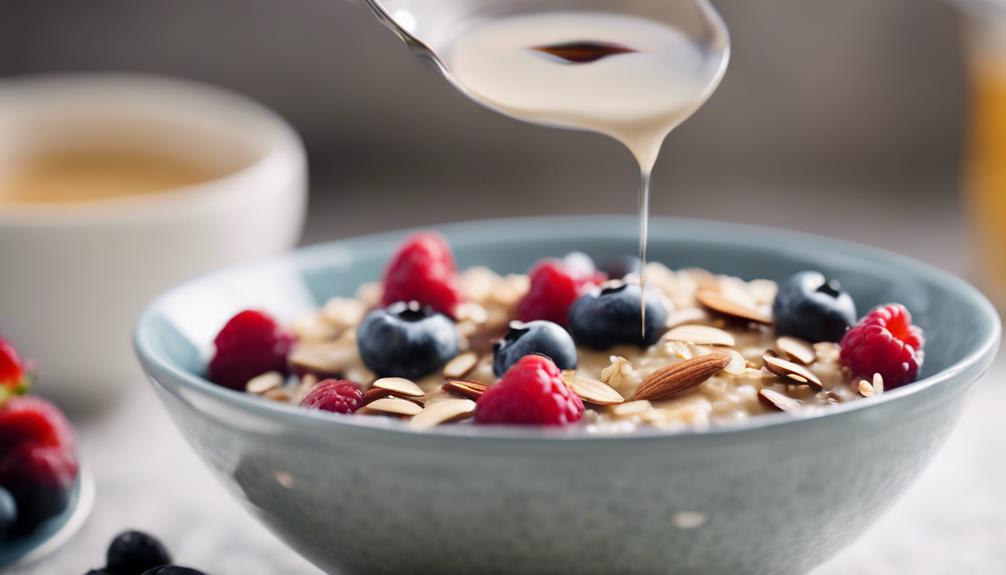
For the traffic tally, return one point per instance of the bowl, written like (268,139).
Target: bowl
(76,275)
(778,494)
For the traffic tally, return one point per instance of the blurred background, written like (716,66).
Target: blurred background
(851,119)
(831,116)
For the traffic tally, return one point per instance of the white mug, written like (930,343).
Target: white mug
(73,277)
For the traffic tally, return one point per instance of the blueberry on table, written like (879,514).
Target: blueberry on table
(536,337)
(134,552)
(608,316)
(8,512)
(406,340)
(620,266)
(813,308)
(172,570)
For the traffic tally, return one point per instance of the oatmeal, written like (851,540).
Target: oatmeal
(711,351)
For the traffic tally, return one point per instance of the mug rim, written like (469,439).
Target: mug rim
(282,157)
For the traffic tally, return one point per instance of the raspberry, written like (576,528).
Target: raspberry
(250,344)
(423,270)
(531,393)
(13,374)
(33,420)
(336,395)
(885,342)
(554,287)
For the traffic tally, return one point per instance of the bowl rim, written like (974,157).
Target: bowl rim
(978,358)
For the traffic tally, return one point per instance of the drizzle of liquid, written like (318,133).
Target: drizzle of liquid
(628,77)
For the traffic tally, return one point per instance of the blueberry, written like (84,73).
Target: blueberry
(406,340)
(172,570)
(813,308)
(542,337)
(134,552)
(607,316)
(37,503)
(620,266)
(8,512)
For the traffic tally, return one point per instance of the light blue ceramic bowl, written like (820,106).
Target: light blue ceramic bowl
(775,496)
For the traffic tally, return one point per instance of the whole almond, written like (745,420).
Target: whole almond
(673,379)
(716,302)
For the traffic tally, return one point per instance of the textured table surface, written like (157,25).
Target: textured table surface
(951,521)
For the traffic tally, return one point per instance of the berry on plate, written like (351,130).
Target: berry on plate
(532,392)
(619,267)
(423,270)
(134,552)
(250,344)
(541,337)
(406,340)
(335,395)
(885,342)
(8,513)
(555,285)
(172,570)
(38,461)
(607,316)
(813,308)
(40,477)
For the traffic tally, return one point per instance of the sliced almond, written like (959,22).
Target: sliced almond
(399,386)
(718,303)
(738,365)
(865,388)
(375,393)
(796,349)
(832,398)
(461,365)
(700,335)
(591,390)
(686,316)
(793,372)
(673,379)
(773,398)
(465,388)
(630,408)
(471,312)
(878,383)
(277,394)
(393,406)
(443,412)
(265,382)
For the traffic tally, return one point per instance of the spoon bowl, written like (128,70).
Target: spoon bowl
(430,28)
